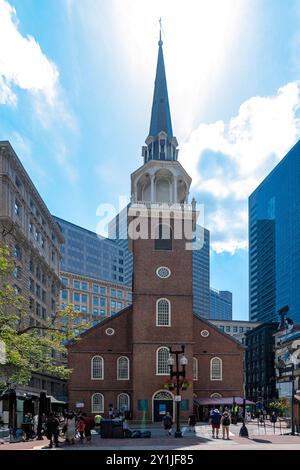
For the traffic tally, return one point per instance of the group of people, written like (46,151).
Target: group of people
(218,419)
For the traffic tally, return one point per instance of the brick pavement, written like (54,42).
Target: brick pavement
(202,440)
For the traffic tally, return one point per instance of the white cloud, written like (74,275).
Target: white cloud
(227,160)
(22,62)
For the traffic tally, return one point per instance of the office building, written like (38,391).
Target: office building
(220,305)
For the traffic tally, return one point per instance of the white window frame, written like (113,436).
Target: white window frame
(128,368)
(118,400)
(195,368)
(169,313)
(92,363)
(221,369)
(92,403)
(157,352)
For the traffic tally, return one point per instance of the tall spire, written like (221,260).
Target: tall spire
(160,114)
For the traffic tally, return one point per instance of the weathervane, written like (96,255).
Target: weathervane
(160,30)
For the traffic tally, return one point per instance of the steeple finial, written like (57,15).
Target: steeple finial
(160,43)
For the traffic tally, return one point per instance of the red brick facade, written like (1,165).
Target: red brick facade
(137,336)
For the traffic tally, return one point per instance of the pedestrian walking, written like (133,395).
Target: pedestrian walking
(98,419)
(70,428)
(80,428)
(225,422)
(110,412)
(89,424)
(52,424)
(215,421)
(192,423)
(168,423)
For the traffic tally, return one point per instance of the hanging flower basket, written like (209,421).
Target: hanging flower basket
(169,385)
(185,384)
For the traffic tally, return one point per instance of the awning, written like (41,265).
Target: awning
(222,401)
(54,400)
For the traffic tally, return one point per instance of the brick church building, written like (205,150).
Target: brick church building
(123,360)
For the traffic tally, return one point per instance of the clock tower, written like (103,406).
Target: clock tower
(161,222)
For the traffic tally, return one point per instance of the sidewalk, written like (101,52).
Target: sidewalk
(259,438)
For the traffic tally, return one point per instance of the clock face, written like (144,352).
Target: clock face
(204,333)
(163,272)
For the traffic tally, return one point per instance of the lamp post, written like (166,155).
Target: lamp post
(177,373)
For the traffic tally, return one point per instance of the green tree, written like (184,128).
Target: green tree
(280,406)
(27,348)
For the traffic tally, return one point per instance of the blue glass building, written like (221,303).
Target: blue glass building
(87,254)
(274,242)
(220,305)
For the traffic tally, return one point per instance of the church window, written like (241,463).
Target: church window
(163,272)
(162,356)
(195,368)
(163,312)
(97,403)
(216,368)
(123,368)
(97,368)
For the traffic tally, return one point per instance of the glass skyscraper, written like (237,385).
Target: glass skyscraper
(274,242)
(85,253)
(220,304)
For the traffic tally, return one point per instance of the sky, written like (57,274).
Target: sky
(76,87)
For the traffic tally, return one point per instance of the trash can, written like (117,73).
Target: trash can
(117,429)
(111,429)
(106,429)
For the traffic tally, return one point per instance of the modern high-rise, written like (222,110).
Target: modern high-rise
(220,304)
(274,242)
(87,254)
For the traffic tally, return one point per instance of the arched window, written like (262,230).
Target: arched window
(163,237)
(195,368)
(97,403)
(123,368)
(216,395)
(123,402)
(216,368)
(97,368)
(163,312)
(162,356)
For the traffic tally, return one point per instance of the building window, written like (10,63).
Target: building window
(64,294)
(95,300)
(102,290)
(163,312)
(216,368)
(113,293)
(129,295)
(95,288)
(227,329)
(102,302)
(76,297)
(215,395)
(119,294)
(123,368)
(195,368)
(97,403)
(84,298)
(17,208)
(97,372)
(113,304)
(123,402)
(163,237)
(162,356)
(84,286)
(76,284)
(64,281)
(95,311)
(235,329)
(17,252)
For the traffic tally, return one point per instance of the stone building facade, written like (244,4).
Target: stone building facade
(34,239)
(95,298)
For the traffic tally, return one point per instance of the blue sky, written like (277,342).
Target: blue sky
(76,84)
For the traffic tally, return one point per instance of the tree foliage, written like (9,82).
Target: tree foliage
(281,405)
(26,348)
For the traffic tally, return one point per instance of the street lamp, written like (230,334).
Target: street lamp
(177,373)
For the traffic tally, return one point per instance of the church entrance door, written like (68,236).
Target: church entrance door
(162,403)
